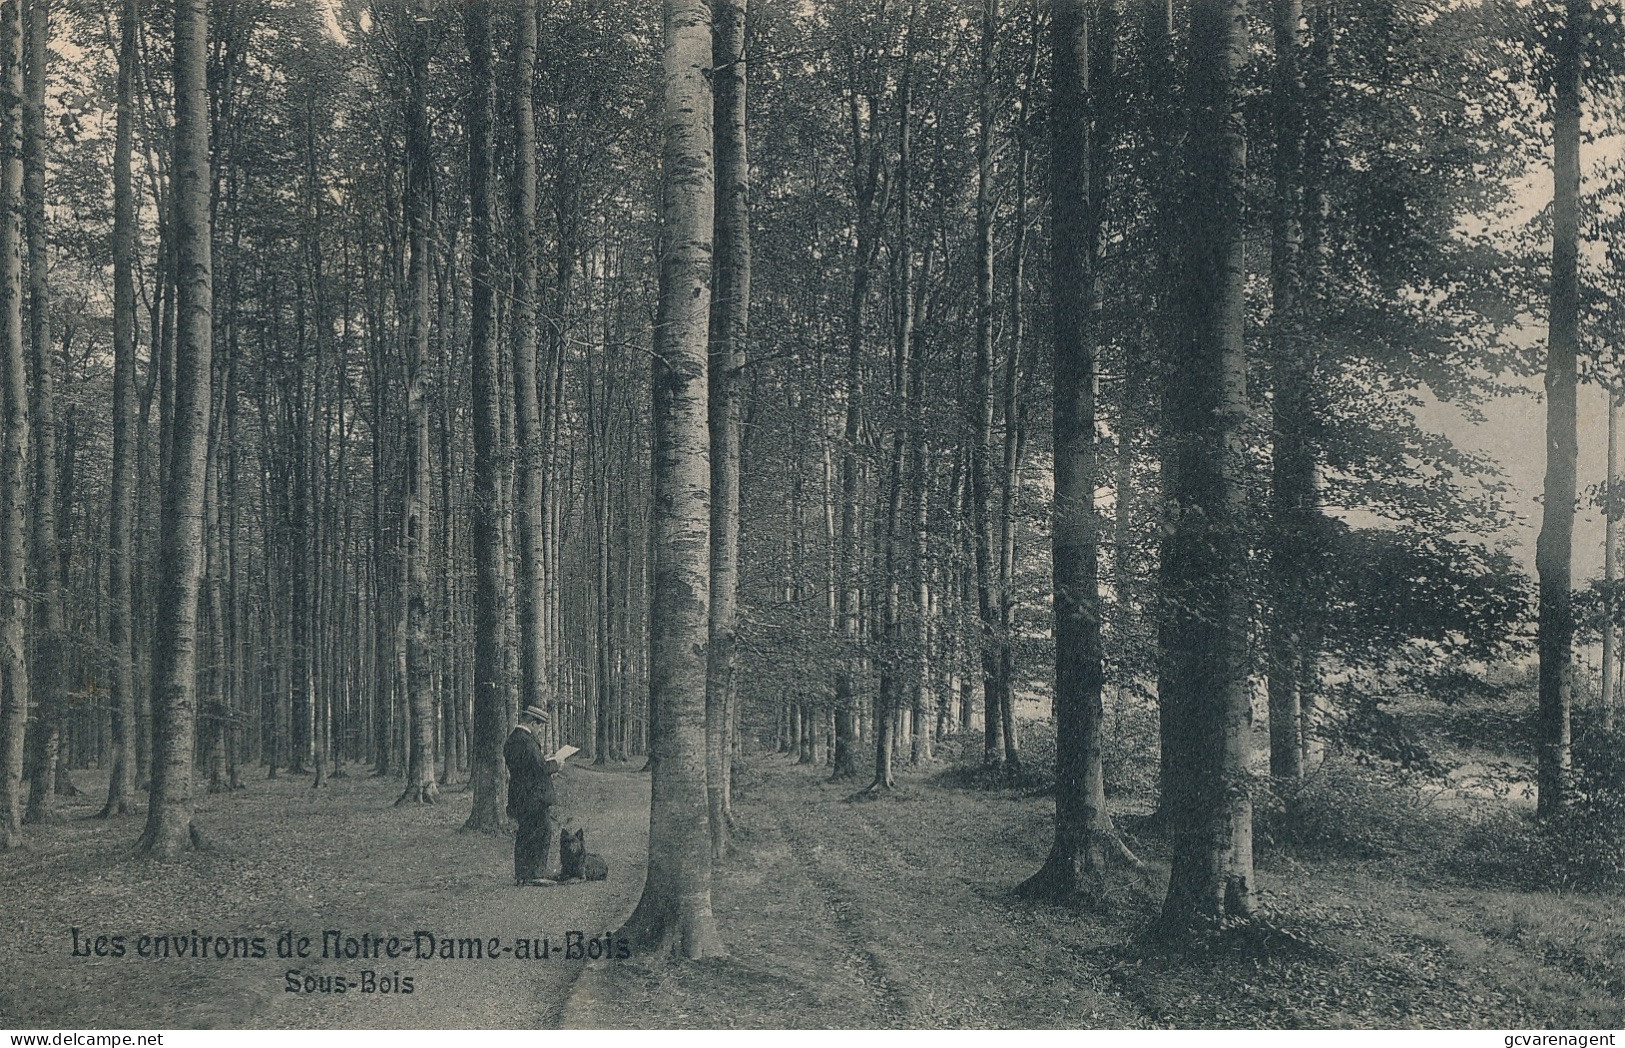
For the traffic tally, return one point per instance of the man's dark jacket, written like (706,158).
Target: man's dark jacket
(530,784)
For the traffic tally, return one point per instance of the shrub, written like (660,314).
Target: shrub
(1583,846)
(1132,748)
(1587,838)
(1504,847)
(1350,809)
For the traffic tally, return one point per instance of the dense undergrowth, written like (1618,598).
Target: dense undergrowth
(1443,784)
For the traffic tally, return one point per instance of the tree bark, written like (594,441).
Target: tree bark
(1211,809)
(420,772)
(180,550)
(490,597)
(674,916)
(1085,839)
(49,656)
(14,609)
(1554,549)
(888,703)
(1294,501)
(120,610)
(1159,45)
(993,741)
(848,556)
(1608,699)
(730,318)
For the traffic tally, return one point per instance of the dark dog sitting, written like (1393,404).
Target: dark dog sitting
(577,862)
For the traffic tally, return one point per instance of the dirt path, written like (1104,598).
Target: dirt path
(285,858)
(884,913)
(898,912)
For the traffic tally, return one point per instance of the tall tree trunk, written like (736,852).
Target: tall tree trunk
(211,614)
(420,772)
(47,671)
(993,742)
(1014,425)
(1084,835)
(14,608)
(848,557)
(730,317)
(1554,550)
(531,479)
(490,596)
(1158,47)
(384,694)
(1609,697)
(121,780)
(674,914)
(180,549)
(1293,498)
(1212,874)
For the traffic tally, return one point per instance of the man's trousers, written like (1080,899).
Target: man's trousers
(532,842)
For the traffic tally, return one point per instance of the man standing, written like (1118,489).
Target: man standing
(531,795)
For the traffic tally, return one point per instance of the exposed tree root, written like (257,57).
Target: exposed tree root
(474,824)
(424,793)
(678,928)
(879,786)
(1076,872)
(169,845)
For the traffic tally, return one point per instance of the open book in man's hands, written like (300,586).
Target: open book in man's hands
(565,753)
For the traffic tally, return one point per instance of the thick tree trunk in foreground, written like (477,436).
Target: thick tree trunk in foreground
(1085,839)
(730,316)
(1210,807)
(674,914)
(1554,549)
(121,780)
(180,540)
(490,595)
(14,608)
(420,760)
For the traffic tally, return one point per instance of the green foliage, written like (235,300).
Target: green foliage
(1373,733)
(1352,809)
(1132,756)
(1388,587)
(1582,846)
(1588,835)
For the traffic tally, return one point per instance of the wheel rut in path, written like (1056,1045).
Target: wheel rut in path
(894,993)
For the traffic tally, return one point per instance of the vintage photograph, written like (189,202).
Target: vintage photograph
(805,514)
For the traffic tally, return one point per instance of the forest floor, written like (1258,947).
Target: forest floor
(895,911)
(282,857)
(898,912)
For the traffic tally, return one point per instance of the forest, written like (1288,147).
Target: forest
(1033,448)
